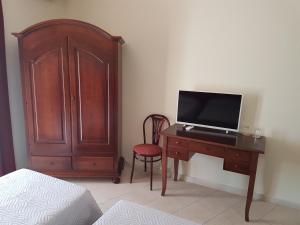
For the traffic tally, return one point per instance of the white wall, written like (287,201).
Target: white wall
(252,47)
(18,15)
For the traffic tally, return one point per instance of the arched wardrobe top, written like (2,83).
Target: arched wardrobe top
(68,25)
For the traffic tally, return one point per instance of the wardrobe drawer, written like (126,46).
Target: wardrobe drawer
(93,163)
(50,163)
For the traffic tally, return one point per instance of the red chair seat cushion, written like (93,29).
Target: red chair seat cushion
(147,150)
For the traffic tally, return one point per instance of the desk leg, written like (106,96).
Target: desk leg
(253,168)
(164,166)
(176,162)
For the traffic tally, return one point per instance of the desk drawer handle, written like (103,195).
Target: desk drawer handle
(236,166)
(176,153)
(177,142)
(237,154)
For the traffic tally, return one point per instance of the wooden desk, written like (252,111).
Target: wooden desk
(240,153)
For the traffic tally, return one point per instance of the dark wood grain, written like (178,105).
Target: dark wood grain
(164,164)
(234,141)
(178,153)
(46,92)
(92,77)
(7,159)
(71,80)
(48,102)
(51,163)
(93,163)
(252,176)
(240,153)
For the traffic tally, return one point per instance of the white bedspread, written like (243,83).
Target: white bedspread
(30,198)
(128,213)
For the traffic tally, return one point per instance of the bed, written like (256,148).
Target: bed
(128,213)
(31,198)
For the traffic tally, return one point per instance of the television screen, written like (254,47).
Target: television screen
(213,110)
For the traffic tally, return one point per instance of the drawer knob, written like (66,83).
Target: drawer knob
(177,142)
(176,153)
(235,166)
(237,154)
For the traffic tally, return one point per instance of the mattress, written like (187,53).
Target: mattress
(31,198)
(128,213)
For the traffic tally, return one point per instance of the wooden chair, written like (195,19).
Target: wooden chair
(145,151)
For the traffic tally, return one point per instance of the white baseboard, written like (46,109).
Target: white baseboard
(282,202)
(221,187)
(238,191)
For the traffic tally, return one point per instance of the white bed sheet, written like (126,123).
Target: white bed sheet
(128,213)
(32,198)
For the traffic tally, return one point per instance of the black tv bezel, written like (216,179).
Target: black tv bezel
(208,126)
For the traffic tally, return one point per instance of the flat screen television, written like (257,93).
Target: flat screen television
(211,110)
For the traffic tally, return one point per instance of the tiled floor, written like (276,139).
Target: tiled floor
(197,203)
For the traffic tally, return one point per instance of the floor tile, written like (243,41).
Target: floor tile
(179,196)
(232,217)
(104,206)
(209,207)
(197,203)
(141,196)
(257,211)
(282,215)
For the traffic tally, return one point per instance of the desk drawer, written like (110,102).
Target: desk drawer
(178,153)
(178,143)
(207,149)
(238,155)
(237,166)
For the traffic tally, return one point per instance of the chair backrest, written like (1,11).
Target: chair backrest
(158,122)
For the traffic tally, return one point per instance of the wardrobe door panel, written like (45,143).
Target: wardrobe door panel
(46,84)
(92,83)
(48,103)
(93,90)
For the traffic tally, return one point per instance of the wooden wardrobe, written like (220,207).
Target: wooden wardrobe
(71,79)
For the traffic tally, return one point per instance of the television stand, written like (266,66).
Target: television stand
(240,152)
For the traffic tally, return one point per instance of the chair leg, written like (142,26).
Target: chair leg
(132,170)
(151,174)
(145,165)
